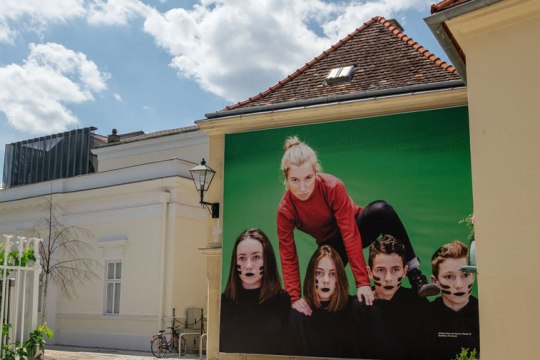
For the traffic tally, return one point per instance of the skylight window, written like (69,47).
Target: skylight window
(340,74)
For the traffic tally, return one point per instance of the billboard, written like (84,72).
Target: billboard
(350,251)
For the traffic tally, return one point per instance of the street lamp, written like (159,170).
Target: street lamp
(202,177)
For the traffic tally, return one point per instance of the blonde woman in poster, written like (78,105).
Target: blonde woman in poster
(326,332)
(254,307)
(319,205)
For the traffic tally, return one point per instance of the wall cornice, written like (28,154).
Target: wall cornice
(151,145)
(493,17)
(353,109)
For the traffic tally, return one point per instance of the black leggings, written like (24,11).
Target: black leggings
(377,218)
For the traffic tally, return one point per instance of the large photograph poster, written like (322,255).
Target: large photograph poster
(417,163)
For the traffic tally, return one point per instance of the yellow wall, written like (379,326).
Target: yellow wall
(189,146)
(502,50)
(126,223)
(189,287)
(194,153)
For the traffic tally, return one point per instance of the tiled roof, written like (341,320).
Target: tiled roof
(383,56)
(446,4)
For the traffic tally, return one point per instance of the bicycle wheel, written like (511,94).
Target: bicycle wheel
(159,347)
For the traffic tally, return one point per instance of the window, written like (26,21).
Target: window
(112,287)
(340,74)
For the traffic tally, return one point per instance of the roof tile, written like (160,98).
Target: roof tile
(446,4)
(384,58)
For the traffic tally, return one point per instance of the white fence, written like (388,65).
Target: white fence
(19,286)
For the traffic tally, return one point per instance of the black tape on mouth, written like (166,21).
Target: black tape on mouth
(376,278)
(249,274)
(325,290)
(388,287)
(460,293)
(446,292)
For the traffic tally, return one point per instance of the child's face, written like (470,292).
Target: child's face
(250,263)
(387,273)
(455,285)
(325,279)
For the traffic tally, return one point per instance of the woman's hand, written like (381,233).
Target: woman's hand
(365,293)
(302,306)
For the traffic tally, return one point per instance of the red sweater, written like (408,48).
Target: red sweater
(327,214)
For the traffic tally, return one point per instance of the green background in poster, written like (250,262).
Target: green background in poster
(418,162)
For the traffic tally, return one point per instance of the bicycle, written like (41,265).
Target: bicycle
(160,345)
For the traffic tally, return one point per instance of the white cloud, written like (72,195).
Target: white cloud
(35,15)
(116,12)
(356,13)
(117,97)
(232,48)
(237,48)
(34,95)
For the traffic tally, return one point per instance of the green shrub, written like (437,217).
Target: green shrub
(26,350)
(466,354)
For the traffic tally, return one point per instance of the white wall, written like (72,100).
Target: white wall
(148,217)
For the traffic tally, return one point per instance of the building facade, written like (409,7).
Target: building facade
(143,227)
(495,42)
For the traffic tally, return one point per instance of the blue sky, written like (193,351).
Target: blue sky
(161,64)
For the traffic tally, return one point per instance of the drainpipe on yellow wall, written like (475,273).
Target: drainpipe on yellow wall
(164,198)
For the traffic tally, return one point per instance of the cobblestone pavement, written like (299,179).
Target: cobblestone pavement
(57,352)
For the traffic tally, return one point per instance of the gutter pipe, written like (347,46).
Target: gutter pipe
(436,24)
(164,198)
(335,99)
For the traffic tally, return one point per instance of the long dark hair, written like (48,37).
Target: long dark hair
(341,293)
(271,282)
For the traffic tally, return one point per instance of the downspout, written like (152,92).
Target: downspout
(164,198)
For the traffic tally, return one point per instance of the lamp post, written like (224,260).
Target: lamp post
(202,177)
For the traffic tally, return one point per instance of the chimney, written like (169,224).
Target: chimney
(113,138)
(396,24)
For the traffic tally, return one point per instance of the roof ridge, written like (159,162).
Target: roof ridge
(422,50)
(307,66)
(446,4)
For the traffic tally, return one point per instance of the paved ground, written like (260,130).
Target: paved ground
(56,352)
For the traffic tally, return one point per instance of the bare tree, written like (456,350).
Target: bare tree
(64,254)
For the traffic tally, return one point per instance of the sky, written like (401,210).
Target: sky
(162,64)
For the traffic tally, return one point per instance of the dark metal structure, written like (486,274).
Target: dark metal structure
(50,157)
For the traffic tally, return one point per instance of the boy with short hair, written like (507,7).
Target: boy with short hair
(453,322)
(392,324)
